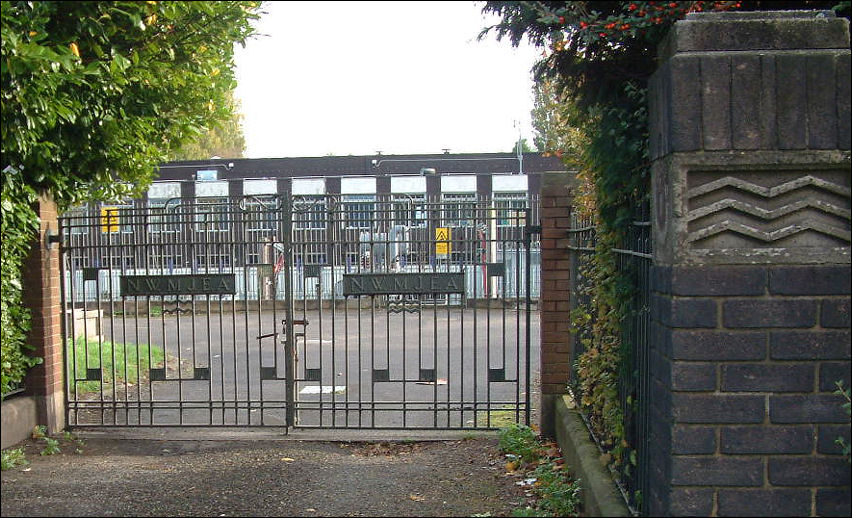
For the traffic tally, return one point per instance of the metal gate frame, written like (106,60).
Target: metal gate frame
(105,247)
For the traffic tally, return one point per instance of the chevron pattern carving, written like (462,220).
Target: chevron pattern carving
(736,210)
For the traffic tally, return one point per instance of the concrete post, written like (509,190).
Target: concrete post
(750,137)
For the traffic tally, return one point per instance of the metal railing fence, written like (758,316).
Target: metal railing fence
(633,259)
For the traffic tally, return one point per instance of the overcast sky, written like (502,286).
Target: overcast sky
(397,77)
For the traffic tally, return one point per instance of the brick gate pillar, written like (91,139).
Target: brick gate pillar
(750,139)
(554,301)
(41,295)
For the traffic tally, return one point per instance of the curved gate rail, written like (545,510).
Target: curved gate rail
(311,311)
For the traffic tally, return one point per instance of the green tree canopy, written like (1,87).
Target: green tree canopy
(523,145)
(224,140)
(94,95)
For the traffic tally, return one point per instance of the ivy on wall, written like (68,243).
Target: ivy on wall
(595,70)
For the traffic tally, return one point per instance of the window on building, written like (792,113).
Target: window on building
(301,259)
(410,210)
(78,221)
(260,216)
(212,214)
(458,210)
(359,210)
(309,212)
(162,218)
(511,209)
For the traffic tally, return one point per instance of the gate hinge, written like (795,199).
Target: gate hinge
(51,238)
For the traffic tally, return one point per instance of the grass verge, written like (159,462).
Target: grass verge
(117,362)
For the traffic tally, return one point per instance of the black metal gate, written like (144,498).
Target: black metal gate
(311,311)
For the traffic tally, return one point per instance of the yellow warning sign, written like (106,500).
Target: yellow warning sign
(442,241)
(109,219)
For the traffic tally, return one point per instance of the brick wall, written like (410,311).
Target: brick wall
(745,361)
(555,293)
(41,295)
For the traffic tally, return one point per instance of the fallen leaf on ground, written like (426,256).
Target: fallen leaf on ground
(287,459)
(417,498)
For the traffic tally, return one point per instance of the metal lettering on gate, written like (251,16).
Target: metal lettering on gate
(402,283)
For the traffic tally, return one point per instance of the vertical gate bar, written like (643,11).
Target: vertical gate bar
(404,313)
(261,289)
(449,354)
(517,246)
(100,338)
(123,332)
(233,339)
(147,268)
(501,244)
(487,292)
(269,217)
(210,360)
(221,392)
(327,246)
(246,306)
(343,258)
(435,360)
(179,352)
(527,243)
(346,353)
(372,269)
(372,348)
(461,357)
(360,369)
(210,248)
(63,324)
(138,238)
(477,264)
(217,248)
(275,220)
(110,244)
(289,350)
(301,242)
(124,318)
(83,255)
(387,338)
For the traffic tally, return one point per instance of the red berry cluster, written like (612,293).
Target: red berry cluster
(639,16)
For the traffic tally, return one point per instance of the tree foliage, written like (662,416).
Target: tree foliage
(555,135)
(591,91)
(522,145)
(94,96)
(224,140)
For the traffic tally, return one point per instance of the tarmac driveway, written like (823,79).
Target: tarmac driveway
(113,477)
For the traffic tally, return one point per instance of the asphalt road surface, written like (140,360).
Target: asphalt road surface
(428,367)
